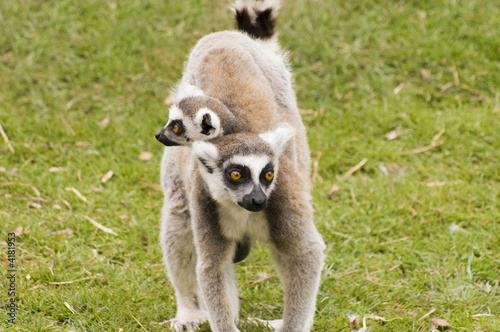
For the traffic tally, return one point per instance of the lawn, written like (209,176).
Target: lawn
(401,102)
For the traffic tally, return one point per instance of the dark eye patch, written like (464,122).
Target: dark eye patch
(262,177)
(179,123)
(246,175)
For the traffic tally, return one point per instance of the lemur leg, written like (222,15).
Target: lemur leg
(215,268)
(297,250)
(179,255)
(300,274)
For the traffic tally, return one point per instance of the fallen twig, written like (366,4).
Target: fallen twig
(6,139)
(438,135)
(253,282)
(101,227)
(420,150)
(354,169)
(433,144)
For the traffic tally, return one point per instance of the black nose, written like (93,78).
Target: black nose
(258,202)
(162,138)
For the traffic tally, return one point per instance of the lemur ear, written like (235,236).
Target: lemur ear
(206,154)
(185,90)
(279,138)
(208,122)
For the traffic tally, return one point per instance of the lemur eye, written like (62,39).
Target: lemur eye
(269,175)
(235,175)
(176,128)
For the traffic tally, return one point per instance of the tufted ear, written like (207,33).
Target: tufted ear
(279,138)
(206,154)
(208,122)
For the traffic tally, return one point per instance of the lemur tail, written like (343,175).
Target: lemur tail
(257,18)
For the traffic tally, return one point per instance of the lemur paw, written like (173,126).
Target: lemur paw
(188,320)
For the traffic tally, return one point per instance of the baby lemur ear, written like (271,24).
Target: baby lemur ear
(279,138)
(208,122)
(206,154)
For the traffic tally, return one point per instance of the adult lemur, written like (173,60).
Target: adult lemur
(248,182)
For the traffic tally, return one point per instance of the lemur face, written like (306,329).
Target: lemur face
(192,119)
(242,167)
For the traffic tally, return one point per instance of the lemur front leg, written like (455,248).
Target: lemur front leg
(297,250)
(179,255)
(300,274)
(215,268)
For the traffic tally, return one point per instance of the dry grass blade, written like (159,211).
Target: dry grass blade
(73,281)
(56,169)
(154,186)
(40,199)
(107,176)
(77,193)
(138,322)
(399,88)
(6,139)
(315,169)
(394,241)
(68,126)
(433,310)
(438,135)
(70,307)
(354,169)
(101,227)
(7,184)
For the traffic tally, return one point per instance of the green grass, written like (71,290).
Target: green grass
(390,252)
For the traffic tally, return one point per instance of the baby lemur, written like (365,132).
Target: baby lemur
(240,175)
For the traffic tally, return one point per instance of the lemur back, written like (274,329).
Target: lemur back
(248,77)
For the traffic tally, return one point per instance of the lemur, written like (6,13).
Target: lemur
(241,185)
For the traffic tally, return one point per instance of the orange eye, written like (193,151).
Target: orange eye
(269,175)
(176,128)
(235,175)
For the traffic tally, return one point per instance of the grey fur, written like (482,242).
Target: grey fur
(206,223)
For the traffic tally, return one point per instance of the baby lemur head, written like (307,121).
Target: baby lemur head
(195,118)
(242,167)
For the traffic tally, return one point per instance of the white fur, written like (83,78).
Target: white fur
(185,90)
(215,122)
(255,163)
(206,151)
(236,222)
(279,137)
(253,6)
(174,113)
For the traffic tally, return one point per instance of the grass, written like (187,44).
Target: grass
(407,233)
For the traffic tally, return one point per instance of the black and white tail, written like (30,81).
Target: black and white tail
(256,18)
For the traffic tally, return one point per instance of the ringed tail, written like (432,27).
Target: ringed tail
(256,18)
